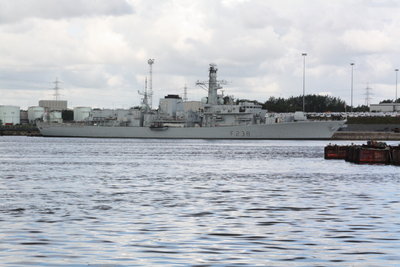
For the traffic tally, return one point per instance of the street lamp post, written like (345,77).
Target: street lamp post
(351,104)
(304,80)
(396,70)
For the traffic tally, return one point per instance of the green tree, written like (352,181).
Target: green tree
(362,108)
(313,103)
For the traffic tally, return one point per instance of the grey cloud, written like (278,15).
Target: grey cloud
(15,10)
(382,3)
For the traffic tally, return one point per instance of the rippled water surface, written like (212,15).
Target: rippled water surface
(116,202)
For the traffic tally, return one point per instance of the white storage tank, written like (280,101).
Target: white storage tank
(35,113)
(10,115)
(55,116)
(81,113)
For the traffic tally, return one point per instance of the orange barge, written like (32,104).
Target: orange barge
(335,152)
(371,153)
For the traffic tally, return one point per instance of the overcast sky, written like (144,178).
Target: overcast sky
(99,48)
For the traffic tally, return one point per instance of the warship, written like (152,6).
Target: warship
(217,117)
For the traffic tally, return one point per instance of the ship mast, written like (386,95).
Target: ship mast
(213,85)
(145,95)
(148,88)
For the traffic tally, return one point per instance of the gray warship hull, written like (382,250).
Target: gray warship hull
(312,130)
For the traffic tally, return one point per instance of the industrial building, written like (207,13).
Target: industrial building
(53,105)
(385,107)
(23,117)
(10,115)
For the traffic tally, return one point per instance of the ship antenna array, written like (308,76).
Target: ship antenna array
(204,84)
(56,89)
(145,95)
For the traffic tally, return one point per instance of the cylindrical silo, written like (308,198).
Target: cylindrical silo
(55,116)
(10,115)
(35,113)
(81,113)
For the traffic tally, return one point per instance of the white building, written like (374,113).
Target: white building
(385,107)
(10,115)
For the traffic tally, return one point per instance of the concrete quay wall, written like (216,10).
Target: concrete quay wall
(345,135)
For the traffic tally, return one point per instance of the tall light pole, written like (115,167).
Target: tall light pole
(396,70)
(304,80)
(351,107)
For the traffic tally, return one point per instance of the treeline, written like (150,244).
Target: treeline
(390,101)
(313,103)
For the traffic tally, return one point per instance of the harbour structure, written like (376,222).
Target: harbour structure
(217,118)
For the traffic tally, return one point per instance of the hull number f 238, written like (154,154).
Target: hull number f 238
(240,133)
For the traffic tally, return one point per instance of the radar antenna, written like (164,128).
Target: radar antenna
(212,85)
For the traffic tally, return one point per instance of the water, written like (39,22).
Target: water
(116,202)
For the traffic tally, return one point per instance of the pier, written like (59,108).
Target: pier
(366,135)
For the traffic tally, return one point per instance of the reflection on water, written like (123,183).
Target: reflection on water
(193,202)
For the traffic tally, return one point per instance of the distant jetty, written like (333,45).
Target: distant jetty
(360,135)
(19,130)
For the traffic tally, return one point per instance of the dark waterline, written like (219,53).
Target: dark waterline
(113,202)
